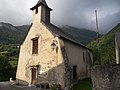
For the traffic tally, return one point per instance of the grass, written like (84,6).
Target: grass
(85,84)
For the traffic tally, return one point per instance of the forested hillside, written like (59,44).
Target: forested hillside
(106,47)
(81,35)
(10,34)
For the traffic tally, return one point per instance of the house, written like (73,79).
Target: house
(49,55)
(117,45)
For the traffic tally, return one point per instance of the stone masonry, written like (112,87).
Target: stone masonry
(106,77)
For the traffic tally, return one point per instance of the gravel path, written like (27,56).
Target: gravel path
(8,86)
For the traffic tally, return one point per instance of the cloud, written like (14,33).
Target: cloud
(108,22)
(78,13)
(16,12)
(81,13)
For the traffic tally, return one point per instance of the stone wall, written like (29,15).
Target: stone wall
(106,77)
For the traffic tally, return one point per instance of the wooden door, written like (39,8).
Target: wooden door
(34,79)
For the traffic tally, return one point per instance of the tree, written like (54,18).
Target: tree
(6,70)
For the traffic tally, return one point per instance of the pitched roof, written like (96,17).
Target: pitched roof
(40,2)
(60,33)
(55,30)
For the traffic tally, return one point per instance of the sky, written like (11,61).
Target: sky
(77,13)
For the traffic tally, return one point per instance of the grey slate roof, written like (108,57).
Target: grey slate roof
(60,33)
(40,2)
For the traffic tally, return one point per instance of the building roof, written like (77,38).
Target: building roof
(55,30)
(60,33)
(40,2)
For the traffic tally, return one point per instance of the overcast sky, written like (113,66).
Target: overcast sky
(78,13)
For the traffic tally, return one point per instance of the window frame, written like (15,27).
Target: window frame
(35,42)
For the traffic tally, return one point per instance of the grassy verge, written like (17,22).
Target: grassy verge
(85,84)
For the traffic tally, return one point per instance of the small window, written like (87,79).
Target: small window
(36,10)
(83,56)
(35,46)
(74,73)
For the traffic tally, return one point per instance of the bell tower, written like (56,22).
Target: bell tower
(41,12)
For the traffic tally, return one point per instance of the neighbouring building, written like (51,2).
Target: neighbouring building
(49,55)
(117,45)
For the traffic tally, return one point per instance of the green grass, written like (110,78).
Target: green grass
(85,84)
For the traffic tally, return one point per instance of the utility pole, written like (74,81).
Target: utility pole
(98,36)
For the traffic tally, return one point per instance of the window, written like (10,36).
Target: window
(36,10)
(35,46)
(83,56)
(74,73)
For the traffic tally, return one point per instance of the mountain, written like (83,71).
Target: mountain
(81,35)
(106,47)
(10,34)
(24,28)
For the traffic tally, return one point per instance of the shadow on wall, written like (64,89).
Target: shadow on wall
(54,77)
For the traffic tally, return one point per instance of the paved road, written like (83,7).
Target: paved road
(8,86)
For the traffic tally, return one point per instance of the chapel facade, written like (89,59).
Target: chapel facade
(49,55)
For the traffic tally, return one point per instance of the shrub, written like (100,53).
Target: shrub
(56,86)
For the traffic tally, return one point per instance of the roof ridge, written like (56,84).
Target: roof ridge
(42,2)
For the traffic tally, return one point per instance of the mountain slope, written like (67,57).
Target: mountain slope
(81,35)
(10,34)
(106,47)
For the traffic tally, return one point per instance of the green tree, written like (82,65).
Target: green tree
(6,70)
(106,47)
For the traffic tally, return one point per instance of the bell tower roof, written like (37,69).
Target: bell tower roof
(40,2)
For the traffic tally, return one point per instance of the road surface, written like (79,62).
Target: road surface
(8,86)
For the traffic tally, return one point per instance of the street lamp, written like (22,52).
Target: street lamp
(53,46)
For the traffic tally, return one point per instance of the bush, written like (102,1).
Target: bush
(6,70)
(56,86)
